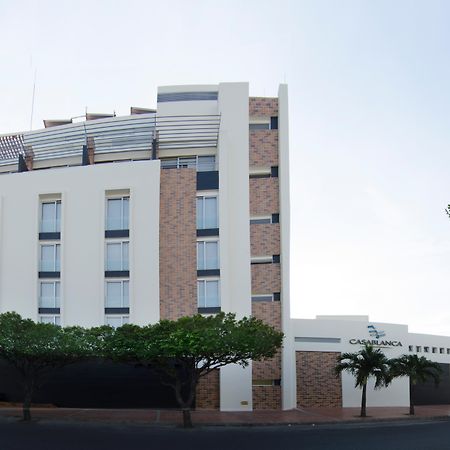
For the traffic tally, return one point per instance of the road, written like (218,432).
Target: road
(79,436)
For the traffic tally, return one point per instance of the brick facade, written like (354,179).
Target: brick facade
(270,313)
(264,196)
(263,106)
(208,391)
(265,239)
(263,148)
(266,397)
(266,278)
(317,385)
(177,244)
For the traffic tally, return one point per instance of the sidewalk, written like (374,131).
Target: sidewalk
(212,417)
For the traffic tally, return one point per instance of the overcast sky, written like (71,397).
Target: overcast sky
(369,121)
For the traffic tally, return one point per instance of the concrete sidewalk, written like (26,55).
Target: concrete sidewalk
(213,417)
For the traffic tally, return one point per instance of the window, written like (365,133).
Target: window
(49,294)
(441,350)
(55,320)
(259,126)
(262,298)
(207,216)
(116,321)
(206,163)
(434,350)
(207,255)
(266,382)
(51,217)
(208,293)
(200,163)
(260,220)
(268,124)
(117,213)
(426,349)
(117,294)
(117,255)
(274,218)
(418,348)
(50,258)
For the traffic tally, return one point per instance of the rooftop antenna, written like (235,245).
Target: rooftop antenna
(32,100)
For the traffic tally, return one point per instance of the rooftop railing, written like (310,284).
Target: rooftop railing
(112,135)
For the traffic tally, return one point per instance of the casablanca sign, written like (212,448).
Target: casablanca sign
(378,342)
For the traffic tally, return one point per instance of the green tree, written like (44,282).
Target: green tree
(185,350)
(418,369)
(367,363)
(34,349)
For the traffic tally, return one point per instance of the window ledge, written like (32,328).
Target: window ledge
(209,310)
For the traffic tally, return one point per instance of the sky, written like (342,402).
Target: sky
(369,121)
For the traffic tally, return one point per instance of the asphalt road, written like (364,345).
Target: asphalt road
(68,436)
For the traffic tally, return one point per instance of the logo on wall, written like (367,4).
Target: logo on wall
(376,335)
(374,332)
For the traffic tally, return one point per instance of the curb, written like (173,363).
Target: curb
(311,423)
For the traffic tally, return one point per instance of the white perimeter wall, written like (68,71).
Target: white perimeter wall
(82,191)
(397,394)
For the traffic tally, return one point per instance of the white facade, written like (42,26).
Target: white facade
(83,192)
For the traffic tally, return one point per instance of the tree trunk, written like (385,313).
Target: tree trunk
(186,404)
(363,401)
(411,403)
(28,396)
(187,419)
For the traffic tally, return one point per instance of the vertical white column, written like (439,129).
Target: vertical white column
(234,223)
(288,375)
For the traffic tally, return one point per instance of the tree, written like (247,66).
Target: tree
(33,349)
(368,362)
(185,350)
(418,369)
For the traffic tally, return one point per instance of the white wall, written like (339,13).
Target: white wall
(191,107)
(397,394)
(234,223)
(288,381)
(82,239)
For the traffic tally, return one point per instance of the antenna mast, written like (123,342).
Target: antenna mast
(32,100)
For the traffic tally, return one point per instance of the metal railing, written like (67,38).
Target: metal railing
(134,133)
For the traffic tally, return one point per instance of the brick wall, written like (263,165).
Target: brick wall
(264,197)
(263,106)
(266,397)
(265,239)
(208,391)
(263,148)
(177,243)
(270,313)
(317,386)
(266,278)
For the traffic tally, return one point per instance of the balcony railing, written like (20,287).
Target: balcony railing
(136,133)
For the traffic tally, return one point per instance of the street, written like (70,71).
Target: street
(85,436)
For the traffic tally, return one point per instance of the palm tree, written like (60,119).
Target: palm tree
(368,362)
(418,369)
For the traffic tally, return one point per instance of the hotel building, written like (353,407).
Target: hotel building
(160,214)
